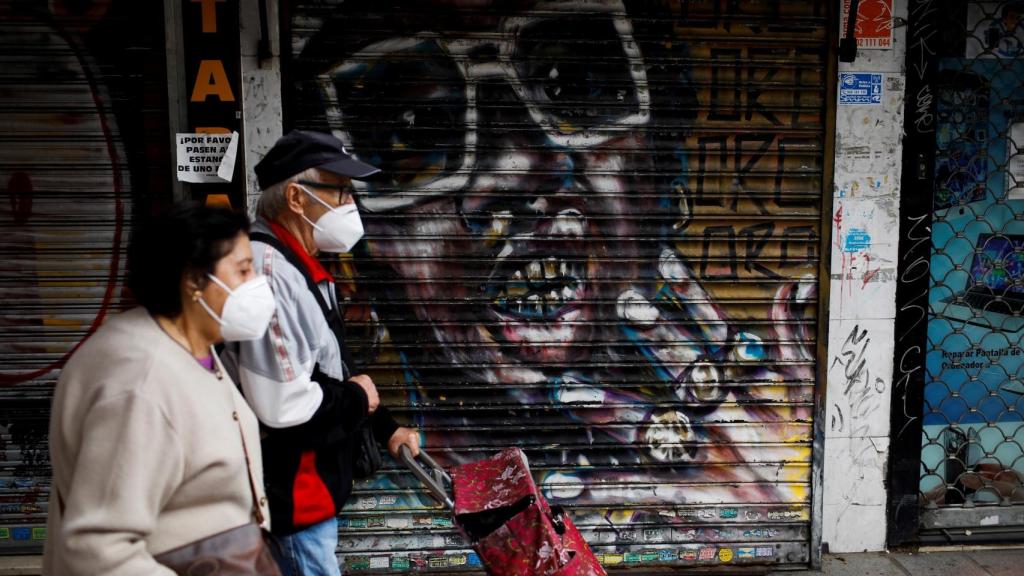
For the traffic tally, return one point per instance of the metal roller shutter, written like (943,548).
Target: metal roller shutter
(959,454)
(71,77)
(598,238)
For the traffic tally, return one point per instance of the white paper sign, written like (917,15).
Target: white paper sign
(204,158)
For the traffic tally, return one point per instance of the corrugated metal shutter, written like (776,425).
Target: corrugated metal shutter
(598,239)
(66,173)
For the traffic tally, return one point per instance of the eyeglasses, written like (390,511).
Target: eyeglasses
(343,190)
(410,105)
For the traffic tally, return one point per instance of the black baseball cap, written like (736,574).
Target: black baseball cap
(301,149)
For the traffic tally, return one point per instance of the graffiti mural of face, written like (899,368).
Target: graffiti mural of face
(525,213)
(519,221)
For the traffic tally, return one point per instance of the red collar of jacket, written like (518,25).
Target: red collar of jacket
(315,269)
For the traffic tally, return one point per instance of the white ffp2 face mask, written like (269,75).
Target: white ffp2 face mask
(338,229)
(247,311)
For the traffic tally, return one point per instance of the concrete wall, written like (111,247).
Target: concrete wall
(261,91)
(865,233)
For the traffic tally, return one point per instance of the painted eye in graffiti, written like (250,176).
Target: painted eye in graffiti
(577,92)
(405,114)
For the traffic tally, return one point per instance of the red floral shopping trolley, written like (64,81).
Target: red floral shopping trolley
(497,506)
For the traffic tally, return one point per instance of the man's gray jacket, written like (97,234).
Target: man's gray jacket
(296,381)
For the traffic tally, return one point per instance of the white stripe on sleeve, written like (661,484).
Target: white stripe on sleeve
(281,404)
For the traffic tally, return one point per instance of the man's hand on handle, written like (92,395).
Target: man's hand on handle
(405,437)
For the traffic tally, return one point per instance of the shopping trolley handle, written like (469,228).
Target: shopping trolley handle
(430,473)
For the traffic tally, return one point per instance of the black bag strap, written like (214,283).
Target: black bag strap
(333,316)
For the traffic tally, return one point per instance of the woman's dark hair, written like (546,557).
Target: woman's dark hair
(188,239)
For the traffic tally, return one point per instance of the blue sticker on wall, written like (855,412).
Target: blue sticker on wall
(860,88)
(857,240)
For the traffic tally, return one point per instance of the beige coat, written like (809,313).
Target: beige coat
(147,454)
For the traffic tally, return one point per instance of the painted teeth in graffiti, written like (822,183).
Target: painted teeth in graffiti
(528,284)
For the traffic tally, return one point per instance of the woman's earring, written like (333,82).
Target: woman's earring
(196,296)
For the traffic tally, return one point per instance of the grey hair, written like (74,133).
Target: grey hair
(273,202)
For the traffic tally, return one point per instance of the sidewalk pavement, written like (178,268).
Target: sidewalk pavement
(20,565)
(946,561)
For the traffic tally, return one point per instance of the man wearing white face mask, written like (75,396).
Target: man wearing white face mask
(299,378)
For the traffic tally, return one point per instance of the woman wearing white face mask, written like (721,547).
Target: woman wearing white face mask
(153,448)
